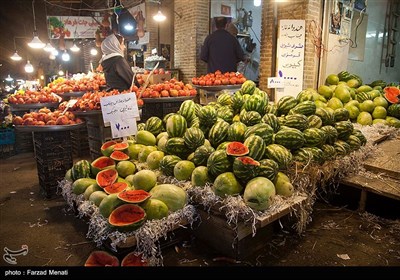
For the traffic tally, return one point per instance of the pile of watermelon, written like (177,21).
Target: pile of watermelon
(346,95)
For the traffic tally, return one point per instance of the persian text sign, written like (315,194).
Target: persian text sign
(121,112)
(290,56)
(72,27)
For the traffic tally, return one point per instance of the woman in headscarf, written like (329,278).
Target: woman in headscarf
(117,72)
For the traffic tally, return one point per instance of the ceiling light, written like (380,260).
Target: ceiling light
(9,79)
(61,73)
(35,43)
(48,47)
(257,3)
(65,56)
(28,67)
(128,26)
(16,56)
(159,16)
(75,48)
(54,52)
(93,51)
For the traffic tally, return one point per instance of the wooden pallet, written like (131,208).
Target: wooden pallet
(385,168)
(239,242)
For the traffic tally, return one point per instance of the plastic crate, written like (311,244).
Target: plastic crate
(7,136)
(23,142)
(80,142)
(53,158)
(152,108)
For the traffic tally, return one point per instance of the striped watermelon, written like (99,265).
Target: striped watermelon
(271,109)
(282,156)
(255,103)
(268,168)
(342,148)
(314,121)
(297,121)
(248,87)
(272,121)
(249,118)
(193,138)
(360,136)
(225,99)
(314,137)
(263,130)
(195,122)
(331,134)
(218,133)
(168,163)
(218,163)
(344,129)
(140,126)
(341,114)
(256,146)
(329,151)
(237,102)
(207,116)
(325,115)
(354,142)
(303,155)
(236,132)
(225,113)
(290,138)
(201,155)
(154,125)
(285,104)
(245,168)
(80,169)
(176,126)
(176,146)
(306,108)
(187,110)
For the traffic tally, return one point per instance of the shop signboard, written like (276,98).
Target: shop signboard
(72,27)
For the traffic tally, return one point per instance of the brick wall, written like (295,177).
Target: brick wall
(190,31)
(311,12)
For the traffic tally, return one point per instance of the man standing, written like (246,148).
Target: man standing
(221,51)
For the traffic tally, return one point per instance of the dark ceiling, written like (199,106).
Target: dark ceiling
(16,20)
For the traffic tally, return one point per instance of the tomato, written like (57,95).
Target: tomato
(217,82)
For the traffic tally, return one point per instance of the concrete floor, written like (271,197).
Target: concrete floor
(337,236)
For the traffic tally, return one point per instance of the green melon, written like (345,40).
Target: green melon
(226,184)
(259,193)
(173,196)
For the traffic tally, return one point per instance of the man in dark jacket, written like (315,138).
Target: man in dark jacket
(117,72)
(221,50)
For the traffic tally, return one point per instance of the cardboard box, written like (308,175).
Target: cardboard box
(157,78)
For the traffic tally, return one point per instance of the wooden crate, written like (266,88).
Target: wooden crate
(385,166)
(239,242)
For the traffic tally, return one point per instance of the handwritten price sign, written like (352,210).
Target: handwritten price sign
(290,56)
(121,112)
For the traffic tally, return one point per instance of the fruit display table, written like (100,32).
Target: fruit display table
(72,94)
(53,153)
(23,140)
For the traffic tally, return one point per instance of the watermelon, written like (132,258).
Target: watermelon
(281,155)
(176,126)
(236,132)
(81,169)
(154,125)
(290,138)
(201,155)
(218,163)
(245,168)
(256,146)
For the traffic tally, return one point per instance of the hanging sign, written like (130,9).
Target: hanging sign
(290,56)
(71,27)
(120,112)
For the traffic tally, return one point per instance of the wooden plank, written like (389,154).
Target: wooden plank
(387,159)
(280,212)
(386,186)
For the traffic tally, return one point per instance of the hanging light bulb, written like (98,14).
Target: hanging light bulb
(93,51)
(28,67)
(257,3)
(16,56)
(9,79)
(36,43)
(159,16)
(54,52)
(48,47)
(65,56)
(75,48)
(128,26)
(61,73)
